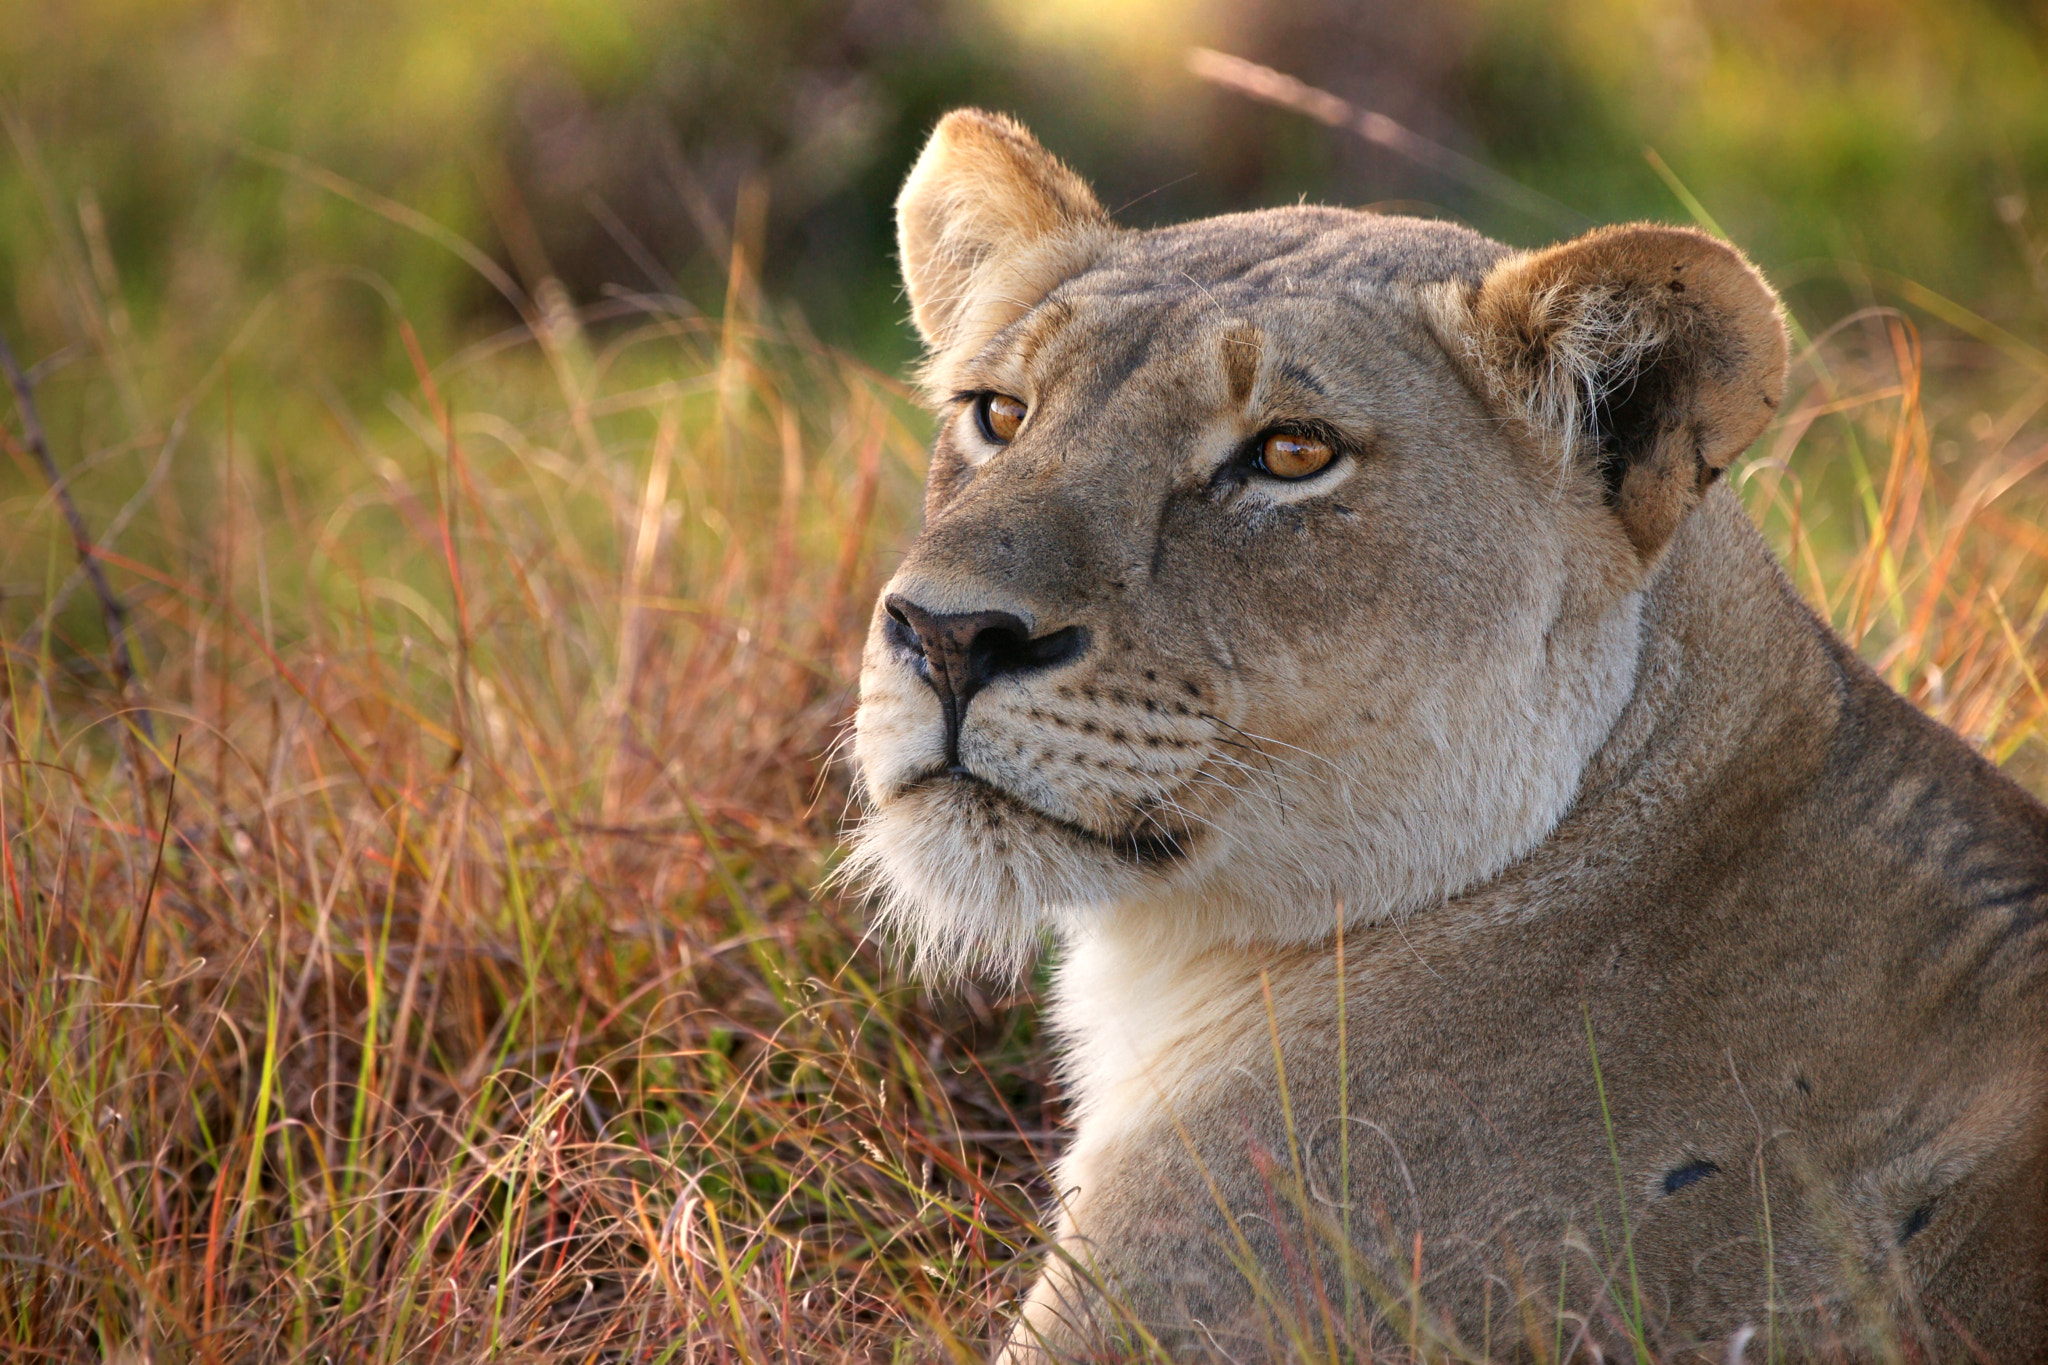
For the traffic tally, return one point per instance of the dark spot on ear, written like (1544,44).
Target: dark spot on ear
(1675,287)
(1632,412)
(1193,690)
(1915,1221)
(1805,1087)
(1151,675)
(1690,1173)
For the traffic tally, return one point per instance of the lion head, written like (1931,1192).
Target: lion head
(1275,566)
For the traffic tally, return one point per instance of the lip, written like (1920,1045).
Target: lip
(1138,849)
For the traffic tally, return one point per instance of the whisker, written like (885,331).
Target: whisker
(1260,741)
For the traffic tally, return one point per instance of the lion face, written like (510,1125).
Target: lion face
(1238,600)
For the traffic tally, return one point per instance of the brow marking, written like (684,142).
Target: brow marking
(1243,346)
(1296,374)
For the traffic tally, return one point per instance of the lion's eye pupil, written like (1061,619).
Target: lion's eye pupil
(1287,456)
(1001,416)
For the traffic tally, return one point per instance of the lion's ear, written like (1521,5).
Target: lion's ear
(987,224)
(1648,356)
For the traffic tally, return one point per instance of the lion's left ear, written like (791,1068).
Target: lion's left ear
(1649,357)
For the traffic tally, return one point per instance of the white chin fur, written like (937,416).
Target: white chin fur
(967,896)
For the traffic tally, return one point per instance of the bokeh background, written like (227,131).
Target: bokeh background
(417,933)
(608,141)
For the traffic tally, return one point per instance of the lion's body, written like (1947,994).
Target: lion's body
(1802,924)
(1691,982)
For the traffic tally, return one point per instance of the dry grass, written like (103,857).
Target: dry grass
(1906,498)
(443,974)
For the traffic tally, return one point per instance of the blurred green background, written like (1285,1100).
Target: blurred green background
(609,143)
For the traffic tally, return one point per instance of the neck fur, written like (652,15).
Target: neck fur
(1726,660)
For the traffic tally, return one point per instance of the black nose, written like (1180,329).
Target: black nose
(965,651)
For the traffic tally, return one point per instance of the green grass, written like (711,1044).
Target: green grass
(423,957)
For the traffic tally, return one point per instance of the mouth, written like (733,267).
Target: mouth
(1147,848)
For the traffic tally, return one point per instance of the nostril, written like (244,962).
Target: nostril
(901,630)
(1047,651)
(997,648)
(1008,648)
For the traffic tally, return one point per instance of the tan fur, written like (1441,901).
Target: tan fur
(987,224)
(1552,334)
(1510,701)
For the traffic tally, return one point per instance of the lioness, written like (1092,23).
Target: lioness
(1495,916)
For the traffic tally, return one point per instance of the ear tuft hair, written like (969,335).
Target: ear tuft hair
(1650,355)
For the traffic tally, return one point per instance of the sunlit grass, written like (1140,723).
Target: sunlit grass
(484,1002)
(1907,503)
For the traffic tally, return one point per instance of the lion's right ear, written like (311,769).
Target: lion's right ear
(1646,357)
(987,224)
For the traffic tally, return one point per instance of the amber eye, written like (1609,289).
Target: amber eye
(1286,456)
(999,415)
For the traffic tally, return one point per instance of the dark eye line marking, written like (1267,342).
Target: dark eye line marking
(972,401)
(1296,374)
(1314,428)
